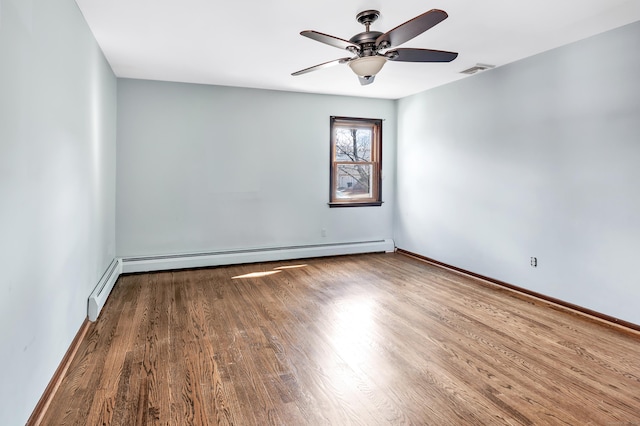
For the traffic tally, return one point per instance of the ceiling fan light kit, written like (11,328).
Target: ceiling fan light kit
(370,47)
(367,66)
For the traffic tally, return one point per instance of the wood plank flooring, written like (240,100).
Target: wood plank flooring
(355,340)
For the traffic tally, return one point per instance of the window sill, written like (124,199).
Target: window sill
(356,204)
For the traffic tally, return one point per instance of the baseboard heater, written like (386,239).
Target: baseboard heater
(226,257)
(232,257)
(99,296)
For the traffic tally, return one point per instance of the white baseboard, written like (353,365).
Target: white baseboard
(232,257)
(124,265)
(98,298)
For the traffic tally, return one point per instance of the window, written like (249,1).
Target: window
(356,162)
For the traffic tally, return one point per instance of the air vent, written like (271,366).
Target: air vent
(476,68)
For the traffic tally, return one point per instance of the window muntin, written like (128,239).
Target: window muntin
(356,151)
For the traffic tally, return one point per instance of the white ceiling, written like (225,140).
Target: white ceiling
(257,43)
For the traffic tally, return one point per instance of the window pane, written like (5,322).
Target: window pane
(354,181)
(356,149)
(353,144)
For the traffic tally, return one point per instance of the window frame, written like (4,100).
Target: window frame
(375,124)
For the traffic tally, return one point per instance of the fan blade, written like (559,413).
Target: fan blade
(330,40)
(410,29)
(323,65)
(366,80)
(420,55)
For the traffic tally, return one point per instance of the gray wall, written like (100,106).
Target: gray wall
(212,168)
(537,158)
(57,190)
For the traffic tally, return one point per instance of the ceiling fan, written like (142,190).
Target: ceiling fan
(370,47)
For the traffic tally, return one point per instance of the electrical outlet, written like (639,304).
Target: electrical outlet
(323,232)
(534,262)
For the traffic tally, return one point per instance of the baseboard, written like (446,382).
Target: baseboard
(99,296)
(232,257)
(45,400)
(566,306)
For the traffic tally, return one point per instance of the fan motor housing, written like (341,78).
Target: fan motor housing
(367,42)
(365,37)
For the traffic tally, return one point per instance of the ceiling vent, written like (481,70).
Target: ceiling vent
(476,68)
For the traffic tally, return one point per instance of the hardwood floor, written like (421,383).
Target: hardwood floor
(368,339)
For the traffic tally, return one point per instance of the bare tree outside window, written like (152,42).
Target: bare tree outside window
(356,148)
